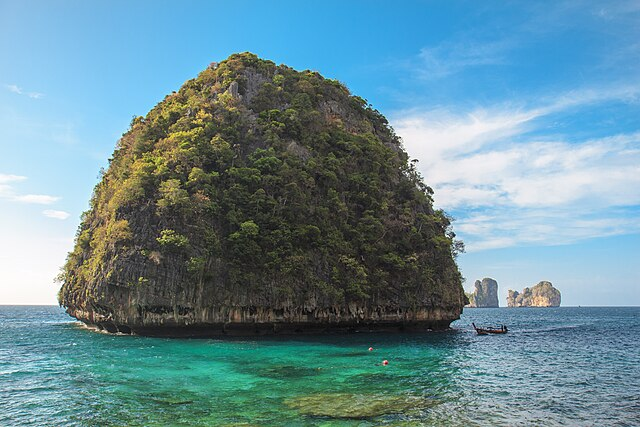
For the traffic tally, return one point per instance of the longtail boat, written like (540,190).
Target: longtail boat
(490,330)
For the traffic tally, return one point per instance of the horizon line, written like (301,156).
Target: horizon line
(562,306)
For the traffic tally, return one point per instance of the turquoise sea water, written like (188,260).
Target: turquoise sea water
(560,366)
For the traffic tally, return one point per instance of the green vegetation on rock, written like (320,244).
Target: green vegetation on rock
(262,189)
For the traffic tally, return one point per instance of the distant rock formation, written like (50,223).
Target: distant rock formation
(485,294)
(541,295)
(470,299)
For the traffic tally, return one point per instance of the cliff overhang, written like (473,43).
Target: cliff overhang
(253,321)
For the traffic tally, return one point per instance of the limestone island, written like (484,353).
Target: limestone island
(258,199)
(541,295)
(485,294)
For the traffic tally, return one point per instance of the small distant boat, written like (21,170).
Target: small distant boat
(490,330)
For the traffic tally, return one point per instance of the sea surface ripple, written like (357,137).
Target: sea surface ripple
(556,367)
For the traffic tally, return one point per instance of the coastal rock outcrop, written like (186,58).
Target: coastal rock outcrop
(541,295)
(485,294)
(260,199)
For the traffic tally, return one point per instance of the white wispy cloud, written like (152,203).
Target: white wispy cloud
(40,199)
(8,192)
(18,90)
(7,178)
(61,215)
(451,57)
(14,89)
(502,228)
(489,45)
(513,183)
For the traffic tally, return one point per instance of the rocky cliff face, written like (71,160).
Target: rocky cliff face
(260,199)
(541,295)
(485,294)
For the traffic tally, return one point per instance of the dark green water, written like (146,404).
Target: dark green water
(564,366)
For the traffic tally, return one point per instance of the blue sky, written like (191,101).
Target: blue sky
(524,116)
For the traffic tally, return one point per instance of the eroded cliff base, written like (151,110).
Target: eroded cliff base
(328,321)
(265,329)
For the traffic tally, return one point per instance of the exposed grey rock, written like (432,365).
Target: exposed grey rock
(485,294)
(233,90)
(253,82)
(299,150)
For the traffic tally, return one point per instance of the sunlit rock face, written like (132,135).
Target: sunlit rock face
(541,295)
(260,199)
(485,294)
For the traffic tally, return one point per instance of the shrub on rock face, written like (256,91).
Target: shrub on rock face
(260,194)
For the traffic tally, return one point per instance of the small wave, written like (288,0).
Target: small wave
(92,328)
(551,329)
(58,322)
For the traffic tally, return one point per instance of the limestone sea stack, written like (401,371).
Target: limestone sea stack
(541,295)
(485,294)
(261,199)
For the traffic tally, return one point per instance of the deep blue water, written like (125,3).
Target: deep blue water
(556,366)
